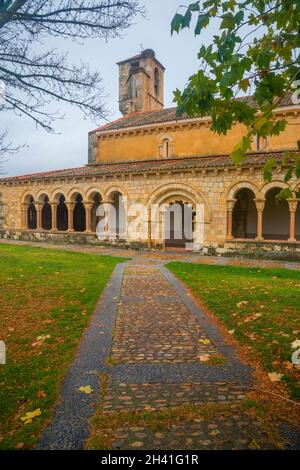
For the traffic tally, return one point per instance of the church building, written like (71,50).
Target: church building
(147,161)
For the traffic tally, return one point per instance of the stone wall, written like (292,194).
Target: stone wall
(189,138)
(215,189)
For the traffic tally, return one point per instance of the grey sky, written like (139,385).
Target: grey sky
(69,148)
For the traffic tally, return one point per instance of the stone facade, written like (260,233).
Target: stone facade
(153,160)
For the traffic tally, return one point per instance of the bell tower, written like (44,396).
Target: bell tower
(141,83)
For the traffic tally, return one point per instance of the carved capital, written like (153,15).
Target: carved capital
(230,204)
(260,204)
(293,204)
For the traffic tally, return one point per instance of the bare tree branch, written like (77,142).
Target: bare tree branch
(33,76)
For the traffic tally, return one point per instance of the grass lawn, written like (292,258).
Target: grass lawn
(46,301)
(260,307)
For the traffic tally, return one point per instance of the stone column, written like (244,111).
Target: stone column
(70,207)
(88,213)
(54,216)
(260,206)
(293,203)
(230,207)
(39,208)
(24,216)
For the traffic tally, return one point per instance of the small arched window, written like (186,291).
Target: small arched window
(166,148)
(261,143)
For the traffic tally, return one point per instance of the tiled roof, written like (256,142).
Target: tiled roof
(165,115)
(149,166)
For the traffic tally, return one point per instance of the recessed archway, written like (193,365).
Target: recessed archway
(276,217)
(31,214)
(46,212)
(61,213)
(244,216)
(95,199)
(79,214)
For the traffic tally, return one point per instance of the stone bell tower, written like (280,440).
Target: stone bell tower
(141,81)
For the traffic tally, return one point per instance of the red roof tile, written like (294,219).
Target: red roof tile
(149,166)
(165,115)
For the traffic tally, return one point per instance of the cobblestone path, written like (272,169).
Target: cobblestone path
(167,378)
(165,354)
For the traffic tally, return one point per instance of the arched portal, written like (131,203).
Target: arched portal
(79,215)
(196,206)
(61,214)
(32,215)
(276,217)
(179,224)
(46,213)
(244,216)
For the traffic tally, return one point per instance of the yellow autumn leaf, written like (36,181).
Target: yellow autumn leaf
(275,377)
(204,341)
(88,389)
(242,304)
(29,417)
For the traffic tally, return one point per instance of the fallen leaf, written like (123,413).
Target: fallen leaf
(296,344)
(204,357)
(41,394)
(29,417)
(231,332)
(20,445)
(88,389)
(40,340)
(242,304)
(214,433)
(275,377)
(204,341)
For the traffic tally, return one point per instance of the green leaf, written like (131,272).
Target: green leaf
(284,194)
(177,23)
(203,21)
(194,6)
(238,154)
(187,19)
(245,84)
(228,21)
(297,167)
(268,169)
(289,174)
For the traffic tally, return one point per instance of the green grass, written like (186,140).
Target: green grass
(272,293)
(42,292)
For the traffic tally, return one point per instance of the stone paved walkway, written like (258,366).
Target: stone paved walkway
(158,325)
(157,352)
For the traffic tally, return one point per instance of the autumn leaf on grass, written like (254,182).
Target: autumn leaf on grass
(40,340)
(231,332)
(204,341)
(41,394)
(275,377)
(296,344)
(88,389)
(29,417)
(244,303)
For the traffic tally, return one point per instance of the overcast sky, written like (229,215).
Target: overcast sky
(69,148)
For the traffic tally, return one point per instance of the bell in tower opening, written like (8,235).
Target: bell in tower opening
(141,81)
